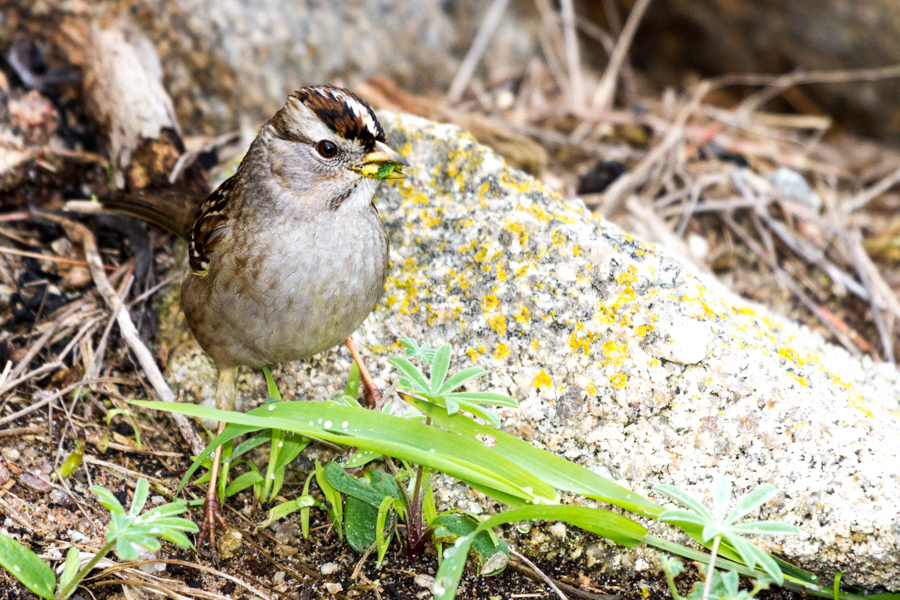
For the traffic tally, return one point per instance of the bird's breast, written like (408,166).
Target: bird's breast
(290,291)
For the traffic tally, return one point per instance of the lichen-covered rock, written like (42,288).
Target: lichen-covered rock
(622,360)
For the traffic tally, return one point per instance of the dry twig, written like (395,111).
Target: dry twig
(606,90)
(476,50)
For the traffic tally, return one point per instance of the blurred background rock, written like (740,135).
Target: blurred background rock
(227,60)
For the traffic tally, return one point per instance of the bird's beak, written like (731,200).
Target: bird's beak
(382,163)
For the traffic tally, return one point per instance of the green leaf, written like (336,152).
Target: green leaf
(684,499)
(382,541)
(251,443)
(141,490)
(271,385)
(765,528)
(304,511)
(124,549)
(106,499)
(722,486)
(481,411)
(602,522)
(439,367)
(242,482)
(73,461)
(484,397)
(679,517)
(460,379)
(557,472)
(27,567)
(491,552)
(451,405)
(292,446)
(70,569)
(671,565)
(417,380)
(333,497)
(351,390)
(371,486)
(359,524)
(439,450)
(752,501)
(282,510)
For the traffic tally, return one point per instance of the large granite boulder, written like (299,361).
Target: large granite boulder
(622,360)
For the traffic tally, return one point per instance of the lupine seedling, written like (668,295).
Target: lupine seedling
(126,531)
(718,524)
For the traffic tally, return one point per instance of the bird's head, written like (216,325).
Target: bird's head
(327,140)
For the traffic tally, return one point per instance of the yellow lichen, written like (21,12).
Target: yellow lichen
(542,380)
(489,302)
(497,323)
(618,380)
(791,355)
(501,351)
(524,315)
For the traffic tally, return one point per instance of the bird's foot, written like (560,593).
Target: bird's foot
(212,520)
(373,396)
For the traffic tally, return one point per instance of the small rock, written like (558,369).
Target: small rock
(78,537)
(230,542)
(77,278)
(699,247)
(11,454)
(328,568)
(34,480)
(58,497)
(792,186)
(425,581)
(333,588)
(278,577)
(558,530)
(35,116)
(285,551)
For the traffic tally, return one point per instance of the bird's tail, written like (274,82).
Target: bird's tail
(172,209)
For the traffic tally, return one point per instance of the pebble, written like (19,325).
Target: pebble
(285,551)
(34,480)
(77,278)
(333,588)
(328,568)
(229,543)
(58,497)
(11,454)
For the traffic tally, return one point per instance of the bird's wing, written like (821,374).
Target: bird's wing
(210,226)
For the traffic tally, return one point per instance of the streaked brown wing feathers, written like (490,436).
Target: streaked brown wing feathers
(209,226)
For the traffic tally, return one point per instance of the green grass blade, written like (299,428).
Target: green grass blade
(555,471)
(24,565)
(369,430)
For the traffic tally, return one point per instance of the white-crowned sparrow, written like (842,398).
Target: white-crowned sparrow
(289,255)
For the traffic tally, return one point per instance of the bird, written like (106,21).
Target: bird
(288,256)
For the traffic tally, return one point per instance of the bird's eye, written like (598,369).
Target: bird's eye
(327,149)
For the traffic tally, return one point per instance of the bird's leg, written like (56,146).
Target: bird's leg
(212,511)
(370,391)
